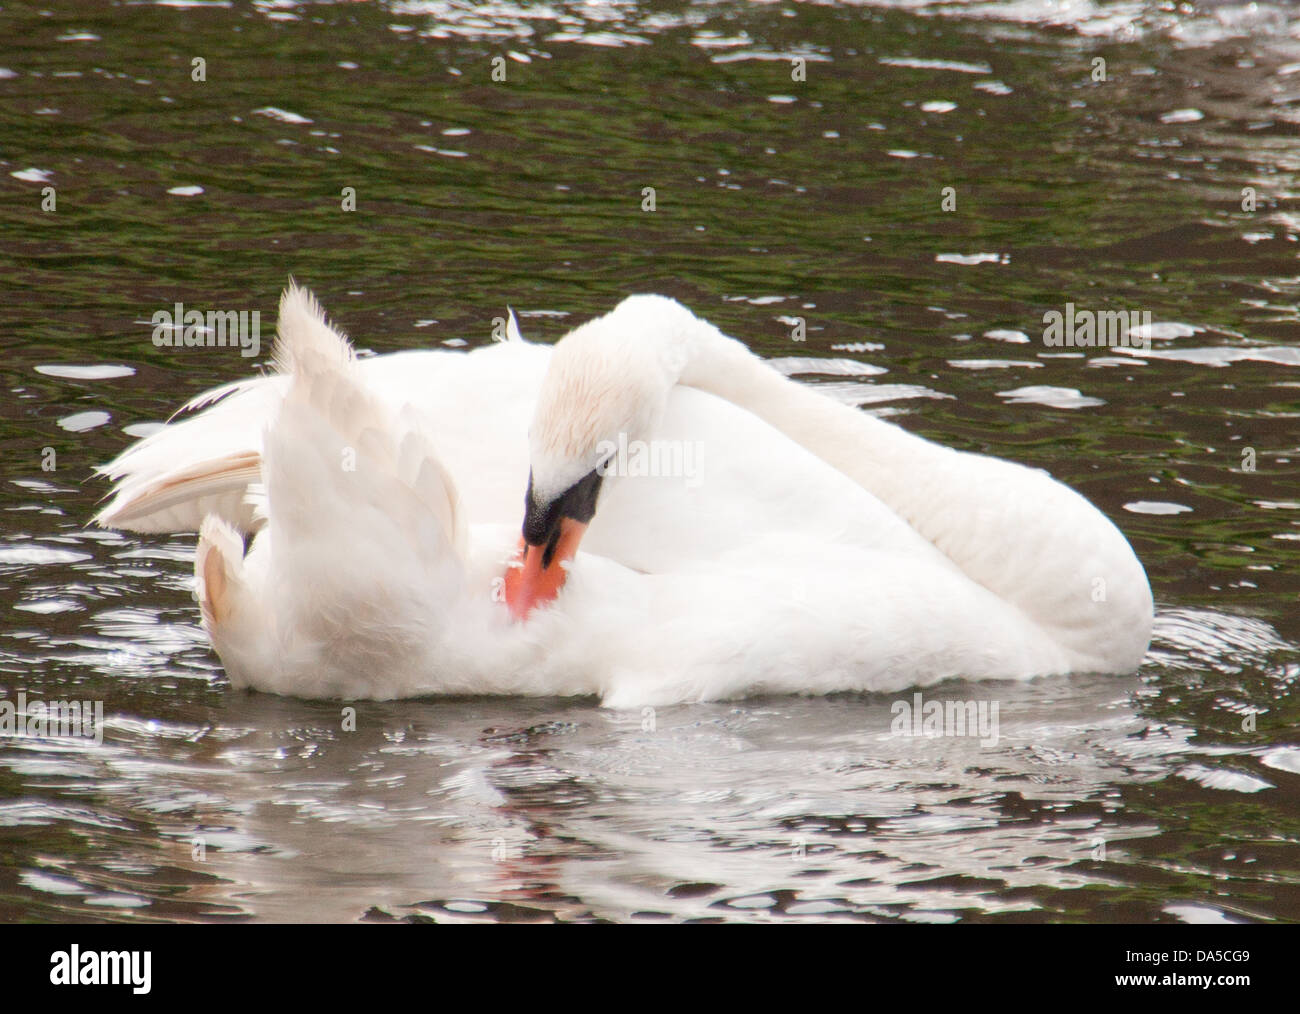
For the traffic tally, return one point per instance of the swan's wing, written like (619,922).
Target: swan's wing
(479,406)
(358,502)
(819,619)
(479,403)
(364,548)
(201,465)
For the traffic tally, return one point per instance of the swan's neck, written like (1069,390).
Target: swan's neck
(880,457)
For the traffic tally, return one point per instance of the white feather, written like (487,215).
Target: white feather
(813,548)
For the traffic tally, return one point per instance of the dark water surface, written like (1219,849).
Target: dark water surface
(1171,795)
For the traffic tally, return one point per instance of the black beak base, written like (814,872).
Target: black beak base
(542,521)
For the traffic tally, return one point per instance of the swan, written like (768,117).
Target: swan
(813,549)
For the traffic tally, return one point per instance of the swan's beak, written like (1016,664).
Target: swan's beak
(552,531)
(539,576)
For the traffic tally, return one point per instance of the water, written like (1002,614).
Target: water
(1143,798)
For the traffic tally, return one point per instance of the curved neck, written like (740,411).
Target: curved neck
(880,457)
(684,349)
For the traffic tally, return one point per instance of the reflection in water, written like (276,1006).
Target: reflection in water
(1172,795)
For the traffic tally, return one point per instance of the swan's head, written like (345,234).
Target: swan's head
(608,379)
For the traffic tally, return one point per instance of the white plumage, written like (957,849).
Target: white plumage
(814,549)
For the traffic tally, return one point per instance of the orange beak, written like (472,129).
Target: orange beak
(529,584)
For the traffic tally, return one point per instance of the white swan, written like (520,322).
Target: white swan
(814,549)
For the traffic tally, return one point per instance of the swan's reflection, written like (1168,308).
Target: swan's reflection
(558,808)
